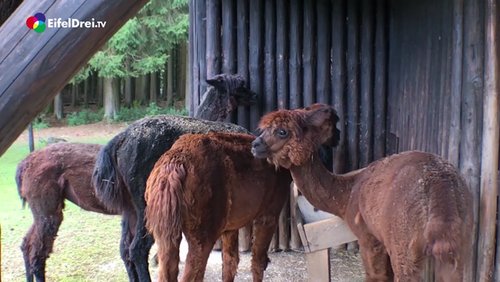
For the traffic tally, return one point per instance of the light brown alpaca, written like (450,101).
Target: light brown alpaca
(208,186)
(402,208)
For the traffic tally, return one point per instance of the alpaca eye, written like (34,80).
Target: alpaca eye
(282,133)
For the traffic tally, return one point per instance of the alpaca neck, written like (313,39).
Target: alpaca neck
(324,190)
(213,106)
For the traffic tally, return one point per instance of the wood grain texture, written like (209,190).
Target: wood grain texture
(45,62)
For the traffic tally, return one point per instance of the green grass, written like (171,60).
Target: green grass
(87,246)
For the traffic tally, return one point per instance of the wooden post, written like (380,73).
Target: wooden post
(339,81)
(213,23)
(352,83)
(295,65)
(471,109)
(380,81)
(31,138)
(269,57)
(456,82)
(366,83)
(308,54)
(490,143)
(323,46)
(295,242)
(242,31)
(256,57)
(48,65)
(282,54)
(170,81)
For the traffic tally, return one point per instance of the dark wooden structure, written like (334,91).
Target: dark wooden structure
(403,75)
(34,67)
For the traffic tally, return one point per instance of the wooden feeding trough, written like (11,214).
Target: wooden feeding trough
(319,231)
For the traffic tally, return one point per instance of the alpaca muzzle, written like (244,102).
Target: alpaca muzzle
(259,148)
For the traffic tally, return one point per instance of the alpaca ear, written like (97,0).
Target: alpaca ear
(319,116)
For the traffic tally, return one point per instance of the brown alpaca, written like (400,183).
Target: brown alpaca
(45,178)
(402,208)
(208,186)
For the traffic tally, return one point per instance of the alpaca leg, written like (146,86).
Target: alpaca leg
(38,244)
(142,240)
(375,260)
(230,255)
(26,249)
(126,239)
(197,256)
(263,231)
(168,258)
(39,241)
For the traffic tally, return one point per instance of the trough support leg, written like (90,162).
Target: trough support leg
(318,266)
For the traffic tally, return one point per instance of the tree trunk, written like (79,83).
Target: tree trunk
(153,95)
(74,90)
(140,89)
(99,91)
(111,98)
(86,90)
(58,106)
(170,82)
(182,71)
(128,91)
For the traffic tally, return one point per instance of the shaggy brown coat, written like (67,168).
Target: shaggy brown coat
(402,208)
(45,178)
(209,185)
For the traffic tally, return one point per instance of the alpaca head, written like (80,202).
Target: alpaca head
(234,86)
(290,137)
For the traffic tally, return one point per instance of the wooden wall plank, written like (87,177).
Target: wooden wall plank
(256,58)
(282,54)
(366,83)
(228,36)
(338,78)
(308,53)
(323,46)
(213,24)
(242,33)
(270,56)
(295,65)
(380,80)
(353,83)
(490,144)
(456,82)
(472,89)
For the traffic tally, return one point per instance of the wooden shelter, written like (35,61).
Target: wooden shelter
(403,75)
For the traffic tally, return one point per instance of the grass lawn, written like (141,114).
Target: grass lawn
(87,246)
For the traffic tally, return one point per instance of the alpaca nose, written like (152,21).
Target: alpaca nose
(257,143)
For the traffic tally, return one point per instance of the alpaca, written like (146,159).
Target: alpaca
(207,186)
(403,208)
(123,165)
(45,178)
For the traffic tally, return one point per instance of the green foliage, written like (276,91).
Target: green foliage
(142,45)
(40,122)
(84,116)
(137,112)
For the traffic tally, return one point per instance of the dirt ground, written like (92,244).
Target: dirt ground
(284,266)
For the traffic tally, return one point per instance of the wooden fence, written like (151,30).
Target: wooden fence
(403,75)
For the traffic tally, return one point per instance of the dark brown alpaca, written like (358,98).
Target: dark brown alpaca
(402,208)
(208,186)
(45,178)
